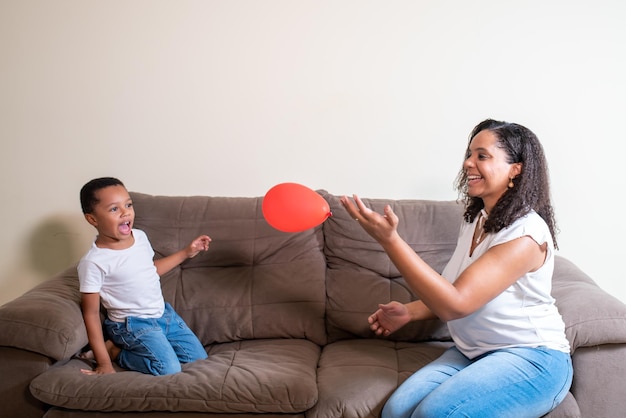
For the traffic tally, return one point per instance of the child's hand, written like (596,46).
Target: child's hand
(105,369)
(199,244)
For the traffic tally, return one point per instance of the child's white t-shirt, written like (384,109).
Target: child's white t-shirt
(126,280)
(524,315)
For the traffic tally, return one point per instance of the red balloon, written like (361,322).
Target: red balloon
(292,207)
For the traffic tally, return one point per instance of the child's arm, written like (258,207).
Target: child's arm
(91,315)
(165,264)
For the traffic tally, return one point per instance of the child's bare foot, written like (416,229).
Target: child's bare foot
(112,349)
(86,355)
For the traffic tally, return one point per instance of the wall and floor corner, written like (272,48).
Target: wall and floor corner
(231,97)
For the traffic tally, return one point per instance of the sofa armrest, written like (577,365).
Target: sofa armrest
(18,368)
(592,317)
(599,380)
(47,319)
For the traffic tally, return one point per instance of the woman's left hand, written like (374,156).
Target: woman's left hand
(383,228)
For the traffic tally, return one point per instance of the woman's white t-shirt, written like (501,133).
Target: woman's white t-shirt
(127,280)
(524,315)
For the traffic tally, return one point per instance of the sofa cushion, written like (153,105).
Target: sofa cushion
(592,316)
(355,377)
(254,282)
(274,376)
(47,319)
(360,274)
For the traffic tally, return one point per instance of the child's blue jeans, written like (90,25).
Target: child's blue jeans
(155,345)
(513,382)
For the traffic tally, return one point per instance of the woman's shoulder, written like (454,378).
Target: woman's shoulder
(531,218)
(531,224)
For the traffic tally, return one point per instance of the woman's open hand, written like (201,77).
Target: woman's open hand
(383,228)
(389,318)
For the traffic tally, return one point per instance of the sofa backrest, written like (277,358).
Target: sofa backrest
(254,282)
(360,274)
(320,284)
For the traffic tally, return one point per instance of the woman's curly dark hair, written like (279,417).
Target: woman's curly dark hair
(531,189)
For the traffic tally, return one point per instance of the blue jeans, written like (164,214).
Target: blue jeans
(155,345)
(514,382)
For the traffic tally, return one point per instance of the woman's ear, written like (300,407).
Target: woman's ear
(516,170)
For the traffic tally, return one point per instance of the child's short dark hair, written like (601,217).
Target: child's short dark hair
(88,192)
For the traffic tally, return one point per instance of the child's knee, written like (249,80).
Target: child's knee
(162,368)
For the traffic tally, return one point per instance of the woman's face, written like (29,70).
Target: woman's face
(488,170)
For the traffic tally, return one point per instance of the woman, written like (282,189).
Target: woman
(510,355)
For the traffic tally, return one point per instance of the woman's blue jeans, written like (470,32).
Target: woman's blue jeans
(514,382)
(155,345)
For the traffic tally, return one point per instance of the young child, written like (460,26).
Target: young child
(145,334)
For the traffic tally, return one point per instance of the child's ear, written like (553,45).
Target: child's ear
(91,219)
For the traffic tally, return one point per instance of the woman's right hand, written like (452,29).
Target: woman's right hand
(389,318)
(382,227)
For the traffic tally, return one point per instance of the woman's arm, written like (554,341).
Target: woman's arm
(483,280)
(392,316)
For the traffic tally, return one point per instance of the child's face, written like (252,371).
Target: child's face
(113,216)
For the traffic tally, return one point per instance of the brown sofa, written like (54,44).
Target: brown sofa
(283,317)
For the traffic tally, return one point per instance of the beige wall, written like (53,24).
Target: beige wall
(369,97)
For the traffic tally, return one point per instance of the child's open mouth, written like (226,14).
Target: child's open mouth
(125,228)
